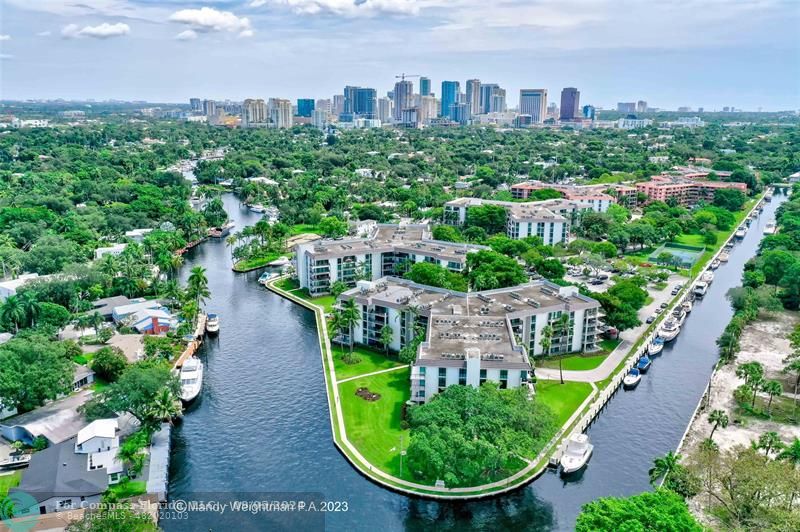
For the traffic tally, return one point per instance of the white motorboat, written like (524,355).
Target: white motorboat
(669,330)
(768,196)
(632,379)
(15,461)
(687,306)
(655,347)
(212,323)
(724,256)
(258,208)
(577,452)
(715,264)
(740,232)
(707,277)
(266,276)
(769,229)
(191,379)
(700,289)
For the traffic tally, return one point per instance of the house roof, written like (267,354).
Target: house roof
(125,310)
(81,372)
(101,428)
(56,421)
(105,306)
(59,471)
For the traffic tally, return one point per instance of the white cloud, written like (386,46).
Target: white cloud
(5,37)
(207,19)
(101,31)
(45,33)
(349,8)
(186,35)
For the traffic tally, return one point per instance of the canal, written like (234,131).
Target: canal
(261,424)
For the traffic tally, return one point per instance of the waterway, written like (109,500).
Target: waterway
(262,426)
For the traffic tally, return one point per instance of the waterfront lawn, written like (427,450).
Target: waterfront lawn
(128,488)
(782,410)
(370,362)
(287,283)
(563,399)
(374,426)
(582,361)
(9,481)
(325,302)
(256,262)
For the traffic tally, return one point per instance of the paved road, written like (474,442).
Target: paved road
(629,338)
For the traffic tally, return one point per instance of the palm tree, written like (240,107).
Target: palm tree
(719,418)
(231,243)
(13,311)
(337,324)
(387,334)
(793,365)
(769,441)
(664,466)
(350,317)
(96,320)
(547,339)
(771,388)
(791,453)
(31,306)
(198,285)
(561,329)
(165,406)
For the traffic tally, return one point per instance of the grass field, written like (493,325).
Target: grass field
(374,426)
(128,488)
(580,362)
(371,361)
(9,481)
(300,229)
(782,410)
(255,262)
(325,302)
(564,399)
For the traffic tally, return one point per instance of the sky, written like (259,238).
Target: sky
(696,53)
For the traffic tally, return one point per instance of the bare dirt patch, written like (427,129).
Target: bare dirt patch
(367,395)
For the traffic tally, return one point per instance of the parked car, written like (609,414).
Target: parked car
(664,304)
(659,310)
(650,319)
(596,282)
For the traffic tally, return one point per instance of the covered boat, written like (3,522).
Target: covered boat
(577,452)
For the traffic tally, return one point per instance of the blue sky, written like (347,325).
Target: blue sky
(708,53)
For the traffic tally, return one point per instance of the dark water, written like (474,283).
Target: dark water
(262,423)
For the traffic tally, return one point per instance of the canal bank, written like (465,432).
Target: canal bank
(262,423)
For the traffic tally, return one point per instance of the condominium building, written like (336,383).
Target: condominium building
(549,220)
(570,103)
(471,338)
(493,98)
(687,192)
(403,98)
(387,250)
(384,110)
(473,96)
(533,102)
(450,93)
(280,112)
(254,113)
(424,86)
(593,197)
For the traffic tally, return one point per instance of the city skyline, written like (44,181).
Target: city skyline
(688,54)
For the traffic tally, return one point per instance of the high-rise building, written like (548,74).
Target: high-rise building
(280,112)
(424,86)
(196,105)
(254,113)
(626,107)
(588,111)
(459,113)
(209,107)
(570,103)
(350,93)
(305,107)
(403,98)
(474,96)
(359,102)
(533,102)
(320,118)
(493,98)
(641,106)
(450,92)
(499,101)
(384,109)
(337,107)
(427,108)
(324,105)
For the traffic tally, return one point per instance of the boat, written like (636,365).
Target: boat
(679,314)
(644,364)
(768,196)
(266,276)
(577,452)
(656,346)
(632,379)
(769,229)
(221,232)
(212,323)
(715,264)
(707,277)
(191,376)
(15,461)
(724,256)
(258,208)
(669,330)
(687,306)
(740,232)
(700,289)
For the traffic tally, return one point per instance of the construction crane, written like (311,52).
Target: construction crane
(403,76)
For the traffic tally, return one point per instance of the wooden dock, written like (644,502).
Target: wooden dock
(195,344)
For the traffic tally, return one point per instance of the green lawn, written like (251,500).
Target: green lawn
(371,361)
(782,410)
(9,481)
(299,229)
(128,488)
(287,283)
(99,384)
(374,426)
(326,302)
(83,359)
(580,362)
(256,262)
(564,399)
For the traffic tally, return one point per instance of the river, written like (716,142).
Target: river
(262,425)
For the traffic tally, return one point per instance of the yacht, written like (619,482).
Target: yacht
(679,314)
(707,277)
(212,323)
(715,264)
(669,330)
(741,232)
(687,306)
(644,364)
(221,232)
(191,379)
(632,379)
(655,347)
(768,196)
(258,208)
(769,229)
(266,276)
(724,256)
(576,453)
(700,289)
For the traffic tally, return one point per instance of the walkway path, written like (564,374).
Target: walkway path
(404,366)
